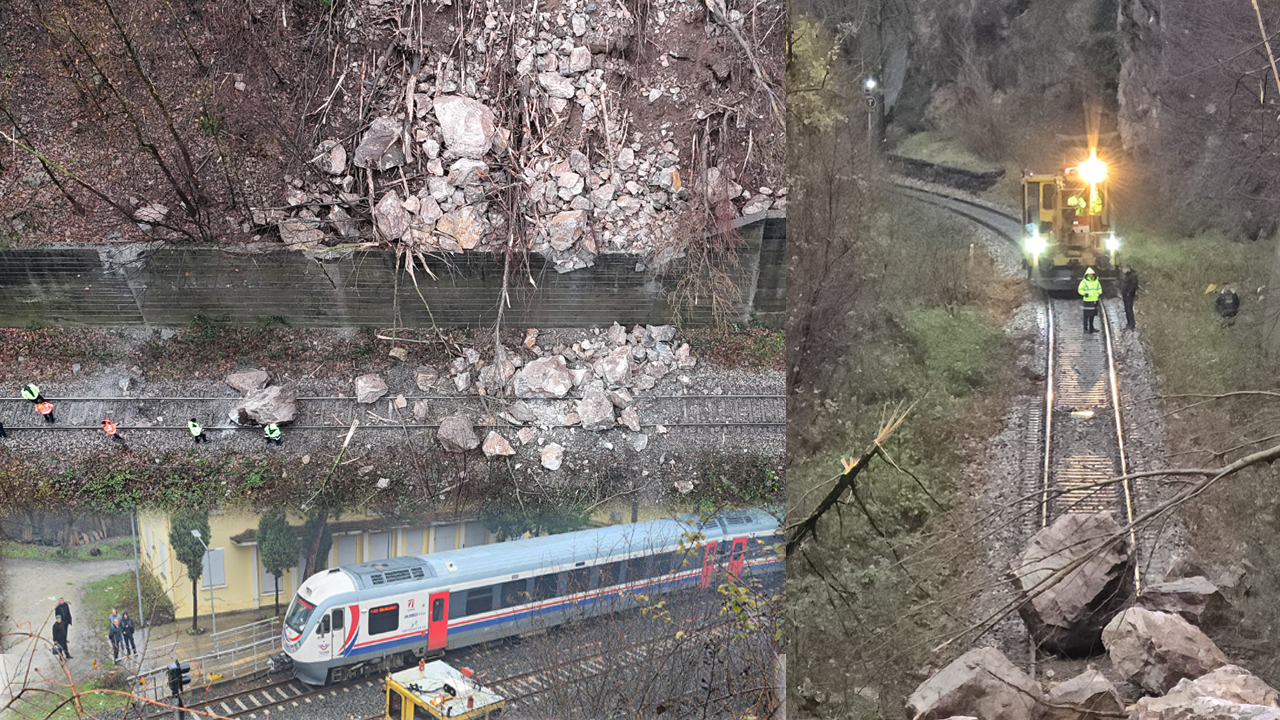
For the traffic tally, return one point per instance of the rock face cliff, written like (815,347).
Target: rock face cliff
(1198,111)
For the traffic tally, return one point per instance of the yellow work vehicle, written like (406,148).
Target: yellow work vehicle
(436,691)
(1067,226)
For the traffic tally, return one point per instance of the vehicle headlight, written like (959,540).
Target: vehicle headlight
(1113,243)
(1035,244)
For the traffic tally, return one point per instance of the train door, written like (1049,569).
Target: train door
(735,558)
(338,626)
(708,565)
(324,637)
(438,622)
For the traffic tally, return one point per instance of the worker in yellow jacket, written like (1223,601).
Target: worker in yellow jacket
(1090,290)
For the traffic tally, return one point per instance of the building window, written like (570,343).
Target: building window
(384,619)
(379,546)
(476,535)
(446,538)
(214,573)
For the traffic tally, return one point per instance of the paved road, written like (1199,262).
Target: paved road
(31,590)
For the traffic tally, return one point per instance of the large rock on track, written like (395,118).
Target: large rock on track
(1067,617)
(981,683)
(369,388)
(1197,600)
(268,405)
(381,147)
(545,378)
(1087,696)
(248,380)
(1228,692)
(457,434)
(595,410)
(1156,650)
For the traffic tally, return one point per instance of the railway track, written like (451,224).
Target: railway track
(338,413)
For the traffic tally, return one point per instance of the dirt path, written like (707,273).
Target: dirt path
(31,590)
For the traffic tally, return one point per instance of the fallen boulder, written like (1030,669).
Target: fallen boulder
(1197,600)
(457,434)
(595,410)
(544,378)
(248,381)
(1156,649)
(369,388)
(1233,691)
(552,455)
(269,405)
(467,125)
(1087,696)
(380,149)
(1067,617)
(981,683)
(495,444)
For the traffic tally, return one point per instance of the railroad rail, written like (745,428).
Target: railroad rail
(339,412)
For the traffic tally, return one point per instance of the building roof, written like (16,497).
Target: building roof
(249,536)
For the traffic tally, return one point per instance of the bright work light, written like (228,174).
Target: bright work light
(1093,170)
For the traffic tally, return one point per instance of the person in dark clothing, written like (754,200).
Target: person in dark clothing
(3,434)
(116,636)
(1228,305)
(1128,292)
(60,638)
(127,628)
(63,612)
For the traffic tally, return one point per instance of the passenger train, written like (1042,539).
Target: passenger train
(377,616)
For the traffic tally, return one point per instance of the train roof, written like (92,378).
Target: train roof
(524,556)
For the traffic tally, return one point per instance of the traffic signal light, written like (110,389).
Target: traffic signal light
(179,676)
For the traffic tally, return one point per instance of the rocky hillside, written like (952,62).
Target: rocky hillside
(568,128)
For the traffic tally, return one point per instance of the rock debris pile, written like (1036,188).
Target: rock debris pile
(435,171)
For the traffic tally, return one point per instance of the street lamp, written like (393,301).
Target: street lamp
(869,90)
(212,611)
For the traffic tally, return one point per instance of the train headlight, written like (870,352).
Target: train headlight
(1113,243)
(1093,170)
(1035,244)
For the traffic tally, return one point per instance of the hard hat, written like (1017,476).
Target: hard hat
(1090,272)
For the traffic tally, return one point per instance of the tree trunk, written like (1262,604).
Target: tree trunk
(277,577)
(194,606)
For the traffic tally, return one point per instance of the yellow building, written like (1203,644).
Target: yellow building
(234,568)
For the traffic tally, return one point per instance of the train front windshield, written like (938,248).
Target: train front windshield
(298,615)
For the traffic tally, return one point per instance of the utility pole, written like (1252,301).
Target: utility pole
(137,567)
(212,611)
(870,93)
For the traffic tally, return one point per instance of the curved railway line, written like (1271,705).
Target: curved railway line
(1079,428)
(339,412)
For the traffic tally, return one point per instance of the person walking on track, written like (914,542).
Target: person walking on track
(127,628)
(32,392)
(60,639)
(197,432)
(63,612)
(45,408)
(3,434)
(272,433)
(1090,292)
(112,431)
(1129,291)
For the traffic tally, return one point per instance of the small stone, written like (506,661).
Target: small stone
(457,434)
(526,435)
(467,125)
(552,455)
(556,85)
(631,419)
(579,25)
(425,377)
(331,157)
(380,149)
(640,442)
(684,486)
(390,217)
(399,353)
(462,381)
(626,159)
(579,60)
(400,402)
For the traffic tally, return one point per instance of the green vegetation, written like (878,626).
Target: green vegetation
(939,149)
(111,549)
(36,703)
(277,545)
(121,592)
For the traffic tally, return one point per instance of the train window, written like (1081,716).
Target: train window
(457,604)
(515,593)
(1048,195)
(323,627)
(394,701)
(576,581)
(544,587)
(421,713)
(384,619)
(479,600)
(611,574)
(661,564)
(722,551)
(437,610)
(338,619)
(688,559)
